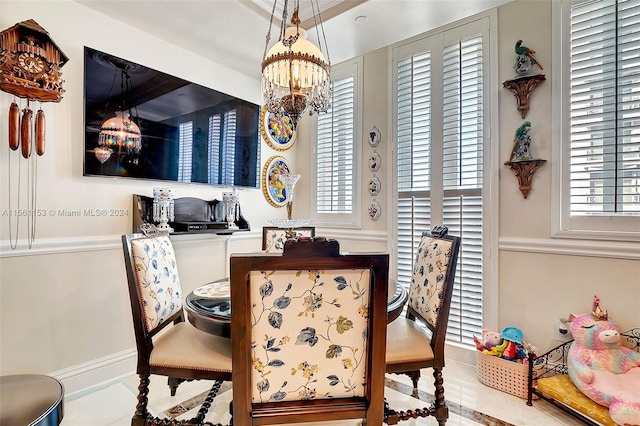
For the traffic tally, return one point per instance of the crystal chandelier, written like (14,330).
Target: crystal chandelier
(295,73)
(119,133)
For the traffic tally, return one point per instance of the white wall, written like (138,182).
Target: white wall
(542,279)
(64,302)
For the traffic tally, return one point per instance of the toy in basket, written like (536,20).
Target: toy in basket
(502,360)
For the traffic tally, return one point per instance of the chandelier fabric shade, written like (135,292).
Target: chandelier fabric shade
(295,72)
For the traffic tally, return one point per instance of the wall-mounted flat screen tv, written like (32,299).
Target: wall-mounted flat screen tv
(187,132)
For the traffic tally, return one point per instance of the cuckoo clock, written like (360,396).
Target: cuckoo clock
(30,65)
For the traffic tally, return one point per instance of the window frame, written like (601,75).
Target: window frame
(606,228)
(354,68)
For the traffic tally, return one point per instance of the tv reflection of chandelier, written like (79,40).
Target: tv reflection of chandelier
(120,133)
(295,73)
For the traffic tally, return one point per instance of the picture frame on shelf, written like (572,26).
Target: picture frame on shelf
(277,130)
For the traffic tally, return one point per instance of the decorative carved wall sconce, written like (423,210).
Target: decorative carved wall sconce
(524,171)
(522,88)
(30,65)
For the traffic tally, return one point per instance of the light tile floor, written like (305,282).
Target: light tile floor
(470,402)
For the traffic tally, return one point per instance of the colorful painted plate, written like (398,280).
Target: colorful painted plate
(272,188)
(277,130)
(214,290)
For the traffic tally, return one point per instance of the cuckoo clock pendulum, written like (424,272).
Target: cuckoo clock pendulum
(30,65)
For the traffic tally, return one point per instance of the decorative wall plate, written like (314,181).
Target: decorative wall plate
(272,188)
(374,161)
(277,130)
(375,186)
(374,136)
(374,210)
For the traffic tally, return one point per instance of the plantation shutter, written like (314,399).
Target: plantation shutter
(414,157)
(605,108)
(185,153)
(454,197)
(462,180)
(335,150)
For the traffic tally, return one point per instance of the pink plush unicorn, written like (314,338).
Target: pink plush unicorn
(602,369)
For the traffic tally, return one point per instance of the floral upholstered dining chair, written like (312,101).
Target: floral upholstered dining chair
(167,345)
(308,332)
(417,340)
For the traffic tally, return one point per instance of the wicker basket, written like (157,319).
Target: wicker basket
(501,374)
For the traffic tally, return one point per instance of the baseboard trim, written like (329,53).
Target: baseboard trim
(89,374)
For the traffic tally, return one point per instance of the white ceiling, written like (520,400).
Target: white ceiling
(233,32)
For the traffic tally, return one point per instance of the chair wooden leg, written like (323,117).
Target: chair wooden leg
(173,383)
(415,377)
(141,414)
(441,411)
(206,404)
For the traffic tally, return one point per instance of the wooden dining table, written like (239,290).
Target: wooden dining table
(213,315)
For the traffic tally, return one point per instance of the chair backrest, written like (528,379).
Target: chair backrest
(308,334)
(154,287)
(432,281)
(273,238)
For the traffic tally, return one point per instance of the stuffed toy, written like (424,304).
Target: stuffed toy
(602,369)
(490,339)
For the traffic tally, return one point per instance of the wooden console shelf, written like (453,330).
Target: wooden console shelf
(192,216)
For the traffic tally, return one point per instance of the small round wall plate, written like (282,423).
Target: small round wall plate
(374,210)
(374,161)
(375,186)
(374,136)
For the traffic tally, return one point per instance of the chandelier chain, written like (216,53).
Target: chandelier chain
(316,10)
(113,83)
(268,38)
(283,21)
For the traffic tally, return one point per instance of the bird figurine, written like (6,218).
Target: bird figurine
(530,53)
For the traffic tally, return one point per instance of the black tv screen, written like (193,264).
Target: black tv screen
(189,133)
